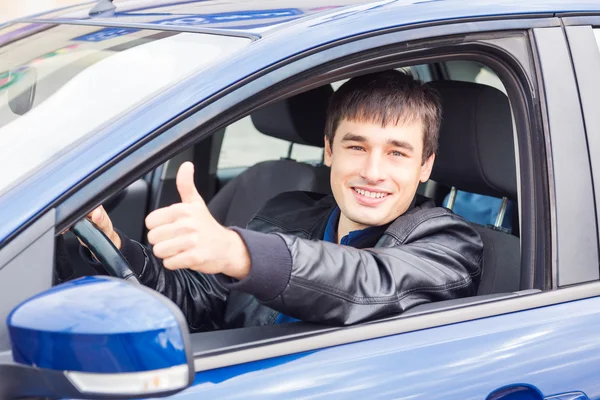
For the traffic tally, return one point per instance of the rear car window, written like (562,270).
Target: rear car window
(244,145)
(63,82)
(471,71)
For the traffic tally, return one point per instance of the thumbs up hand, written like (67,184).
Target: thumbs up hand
(185,235)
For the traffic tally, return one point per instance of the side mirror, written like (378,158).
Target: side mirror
(97,337)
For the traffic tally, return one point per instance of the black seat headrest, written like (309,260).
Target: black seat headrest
(476,146)
(298,119)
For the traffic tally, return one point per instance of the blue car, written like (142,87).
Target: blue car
(101,102)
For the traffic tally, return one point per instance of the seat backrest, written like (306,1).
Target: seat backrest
(476,155)
(299,119)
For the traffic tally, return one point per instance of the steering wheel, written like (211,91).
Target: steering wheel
(104,250)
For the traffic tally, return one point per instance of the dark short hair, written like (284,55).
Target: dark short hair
(387,98)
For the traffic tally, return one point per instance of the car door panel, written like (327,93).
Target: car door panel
(553,349)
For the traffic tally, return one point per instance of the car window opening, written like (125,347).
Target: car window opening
(253,156)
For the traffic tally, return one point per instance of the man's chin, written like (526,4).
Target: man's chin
(365,220)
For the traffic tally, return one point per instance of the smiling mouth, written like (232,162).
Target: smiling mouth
(370,195)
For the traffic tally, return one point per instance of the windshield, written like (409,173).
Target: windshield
(63,82)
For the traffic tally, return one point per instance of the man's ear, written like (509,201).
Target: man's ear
(426,168)
(327,155)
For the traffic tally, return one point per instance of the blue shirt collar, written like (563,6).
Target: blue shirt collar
(353,238)
(331,228)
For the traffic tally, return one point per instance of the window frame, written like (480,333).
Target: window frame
(292,77)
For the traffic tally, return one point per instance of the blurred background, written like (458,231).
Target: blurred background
(11,9)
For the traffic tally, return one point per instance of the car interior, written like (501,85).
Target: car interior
(279,148)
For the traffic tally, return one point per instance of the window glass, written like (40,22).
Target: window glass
(471,71)
(65,82)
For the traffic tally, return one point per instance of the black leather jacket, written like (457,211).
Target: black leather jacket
(428,254)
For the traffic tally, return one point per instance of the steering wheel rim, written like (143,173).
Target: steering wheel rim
(104,250)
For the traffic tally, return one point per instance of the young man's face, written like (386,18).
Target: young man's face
(375,171)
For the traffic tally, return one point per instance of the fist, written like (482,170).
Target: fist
(100,217)
(185,235)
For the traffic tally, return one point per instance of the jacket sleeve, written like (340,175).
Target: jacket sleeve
(438,259)
(202,298)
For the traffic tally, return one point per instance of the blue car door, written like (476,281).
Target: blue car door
(528,344)
(543,352)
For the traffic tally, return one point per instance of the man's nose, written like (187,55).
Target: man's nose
(372,168)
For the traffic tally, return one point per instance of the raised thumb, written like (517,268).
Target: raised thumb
(185,184)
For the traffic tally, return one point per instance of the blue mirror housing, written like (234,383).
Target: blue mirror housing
(107,336)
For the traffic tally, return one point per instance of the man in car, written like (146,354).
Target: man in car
(373,249)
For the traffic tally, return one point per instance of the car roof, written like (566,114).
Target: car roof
(276,38)
(268,16)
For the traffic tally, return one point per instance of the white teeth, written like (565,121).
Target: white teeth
(373,195)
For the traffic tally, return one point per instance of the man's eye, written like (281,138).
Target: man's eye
(358,148)
(397,154)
